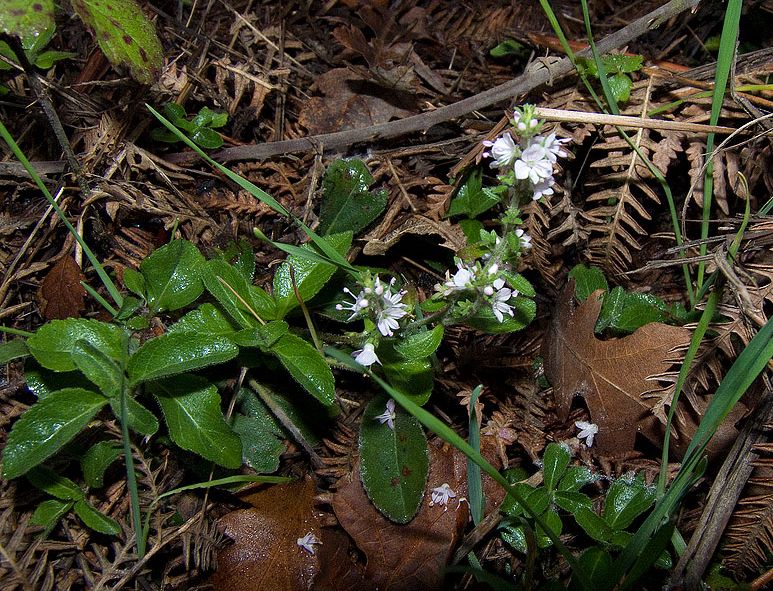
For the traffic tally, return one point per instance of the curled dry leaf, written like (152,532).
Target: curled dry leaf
(413,556)
(61,294)
(612,375)
(417,225)
(265,553)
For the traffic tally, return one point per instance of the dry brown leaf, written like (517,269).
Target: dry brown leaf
(61,294)
(265,553)
(349,102)
(612,375)
(417,225)
(412,556)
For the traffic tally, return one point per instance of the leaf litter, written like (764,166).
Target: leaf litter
(437,50)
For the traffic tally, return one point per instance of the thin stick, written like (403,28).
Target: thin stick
(528,81)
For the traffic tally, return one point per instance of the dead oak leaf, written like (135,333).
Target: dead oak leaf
(265,553)
(413,556)
(613,376)
(350,102)
(61,294)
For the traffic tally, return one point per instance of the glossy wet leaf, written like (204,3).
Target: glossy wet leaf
(524,311)
(172,354)
(206,319)
(311,275)
(124,34)
(627,498)
(139,418)
(414,378)
(49,512)
(421,344)
(47,426)
(593,525)
(575,477)
(263,336)
(191,407)
(348,203)
(307,366)
(54,484)
(96,520)
(32,22)
(241,301)
(587,280)
(102,371)
(554,462)
(96,460)
(625,312)
(52,344)
(172,276)
(394,462)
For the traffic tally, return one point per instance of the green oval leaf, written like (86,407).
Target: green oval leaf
(422,344)
(53,343)
(414,378)
(15,349)
(311,274)
(139,418)
(554,462)
(348,204)
(206,319)
(172,276)
(97,367)
(524,311)
(96,520)
(54,484)
(393,462)
(233,293)
(49,512)
(307,366)
(261,448)
(628,497)
(47,426)
(124,34)
(191,408)
(96,460)
(172,354)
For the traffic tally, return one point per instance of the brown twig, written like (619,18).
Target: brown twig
(528,81)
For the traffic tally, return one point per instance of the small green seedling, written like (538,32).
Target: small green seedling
(200,128)
(617,68)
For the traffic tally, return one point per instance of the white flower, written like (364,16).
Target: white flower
(533,164)
(503,151)
(461,280)
(552,145)
(542,188)
(366,356)
(525,239)
(500,306)
(587,431)
(388,416)
(357,306)
(441,495)
(307,542)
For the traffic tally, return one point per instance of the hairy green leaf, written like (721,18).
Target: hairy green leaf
(311,275)
(47,426)
(394,463)
(554,462)
(102,371)
(472,199)
(587,280)
(49,512)
(56,485)
(627,498)
(413,377)
(348,204)
(32,22)
(206,319)
(53,343)
(191,407)
(124,34)
(421,344)
(177,353)
(96,520)
(238,298)
(139,418)
(96,460)
(307,366)
(261,448)
(172,276)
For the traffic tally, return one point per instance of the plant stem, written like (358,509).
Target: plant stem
(131,477)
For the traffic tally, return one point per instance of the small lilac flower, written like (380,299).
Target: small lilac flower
(587,431)
(307,542)
(500,306)
(524,237)
(461,280)
(552,145)
(542,188)
(533,164)
(441,495)
(357,306)
(503,151)
(366,356)
(388,416)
